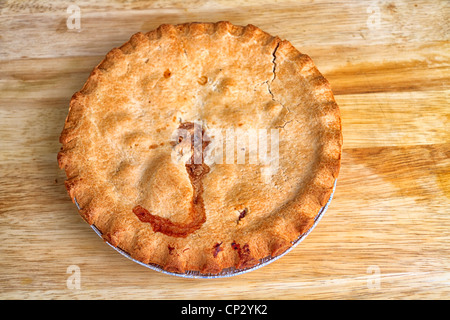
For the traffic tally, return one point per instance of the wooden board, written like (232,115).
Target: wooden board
(386,233)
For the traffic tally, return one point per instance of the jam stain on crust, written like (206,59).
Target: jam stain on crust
(245,257)
(196,172)
(242,214)
(217,249)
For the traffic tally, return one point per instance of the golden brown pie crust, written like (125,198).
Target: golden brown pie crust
(116,147)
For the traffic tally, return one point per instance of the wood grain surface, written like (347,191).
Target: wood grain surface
(386,234)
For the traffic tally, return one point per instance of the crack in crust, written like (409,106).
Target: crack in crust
(269,83)
(196,172)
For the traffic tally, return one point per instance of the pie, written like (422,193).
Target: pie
(202,146)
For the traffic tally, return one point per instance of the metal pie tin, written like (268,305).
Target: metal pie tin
(229,272)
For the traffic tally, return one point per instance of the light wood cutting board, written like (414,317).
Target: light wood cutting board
(386,233)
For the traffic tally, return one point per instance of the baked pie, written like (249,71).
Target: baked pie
(202,146)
